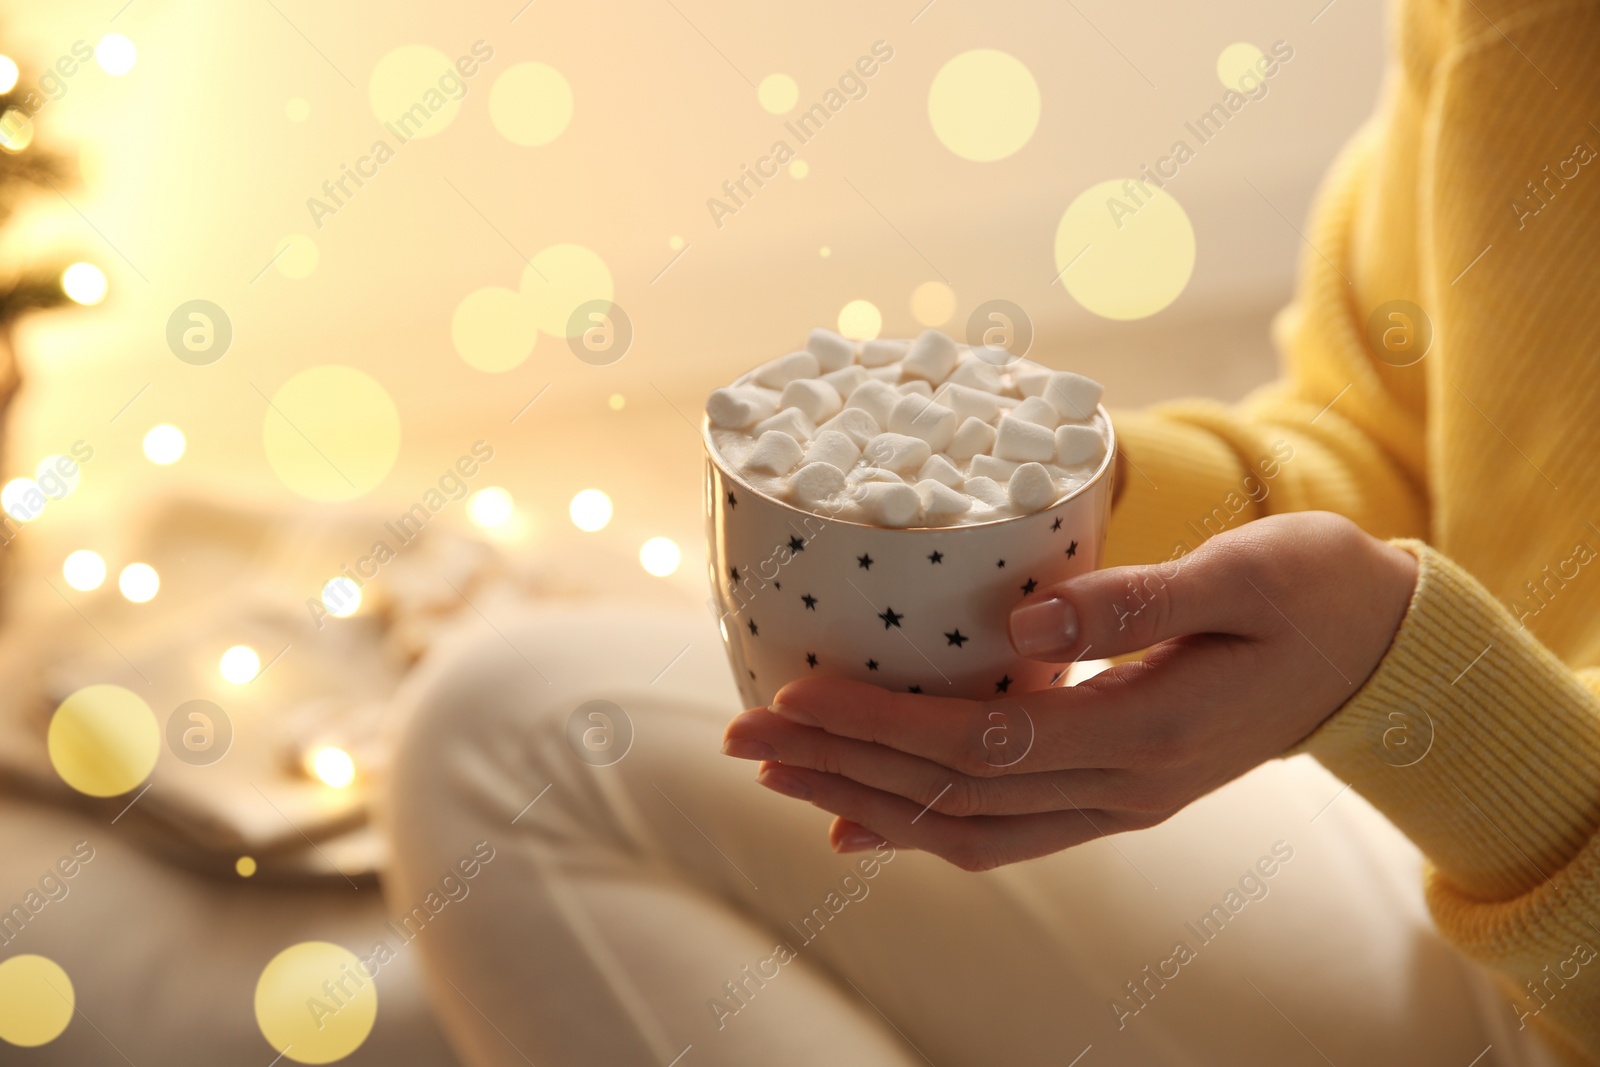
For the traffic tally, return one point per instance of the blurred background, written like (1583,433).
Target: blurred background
(318,266)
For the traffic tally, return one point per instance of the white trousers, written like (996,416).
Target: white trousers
(665,909)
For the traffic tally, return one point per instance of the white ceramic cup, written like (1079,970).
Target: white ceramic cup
(923,609)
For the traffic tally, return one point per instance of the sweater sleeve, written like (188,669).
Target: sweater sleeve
(1483,749)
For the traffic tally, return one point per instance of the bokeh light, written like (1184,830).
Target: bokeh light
(1236,67)
(490,506)
(331,433)
(332,766)
(493,329)
(84,283)
(295,256)
(239,664)
(932,303)
(616,402)
(139,582)
(116,54)
(22,499)
(799,169)
(984,105)
(103,740)
(404,90)
(778,93)
(16,129)
(660,556)
(164,444)
(530,104)
(860,320)
(301,976)
(341,596)
(8,74)
(245,865)
(1125,249)
(590,510)
(37,1000)
(560,279)
(84,570)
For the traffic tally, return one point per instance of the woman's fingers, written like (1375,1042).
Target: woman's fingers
(980,843)
(761,735)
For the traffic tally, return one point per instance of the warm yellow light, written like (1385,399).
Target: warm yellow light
(240,664)
(22,499)
(164,444)
(245,865)
(84,570)
(490,507)
(341,597)
(617,401)
(333,765)
(139,582)
(8,74)
(16,130)
(115,54)
(860,320)
(84,283)
(660,556)
(824,251)
(590,510)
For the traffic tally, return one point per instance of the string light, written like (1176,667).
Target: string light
(8,74)
(84,570)
(84,283)
(164,444)
(115,54)
(590,510)
(332,765)
(490,507)
(139,582)
(660,556)
(240,664)
(341,596)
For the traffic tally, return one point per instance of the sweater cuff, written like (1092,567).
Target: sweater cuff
(1473,739)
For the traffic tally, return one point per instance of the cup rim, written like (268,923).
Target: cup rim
(1100,474)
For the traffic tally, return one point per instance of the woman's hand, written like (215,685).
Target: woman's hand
(1255,638)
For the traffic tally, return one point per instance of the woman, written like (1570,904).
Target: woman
(1429,634)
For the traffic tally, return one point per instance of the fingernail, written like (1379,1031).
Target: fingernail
(747,748)
(795,715)
(781,781)
(1044,627)
(858,841)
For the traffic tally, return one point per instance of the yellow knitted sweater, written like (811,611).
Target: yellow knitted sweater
(1474,194)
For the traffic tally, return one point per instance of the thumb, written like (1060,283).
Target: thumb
(1126,609)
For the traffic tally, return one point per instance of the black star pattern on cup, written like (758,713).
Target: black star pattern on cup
(1072,550)
(777,585)
(999,563)
(1054,526)
(1056,677)
(913,688)
(1003,684)
(733,501)
(872,664)
(811,659)
(864,562)
(810,602)
(753,631)
(1029,586)
(890,618)
(733,572)
(752,676)
(797,544)
(956,637)
(936,556)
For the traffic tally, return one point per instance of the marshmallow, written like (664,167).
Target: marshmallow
(941,470)
(815,484)
(1031,488)
(873,474)
(1033,409)
(939,501)
(916,388)
(976,374)
(785,369)
(1029,380)
(984,466)
(890,373)
(918,417)
(897,452)
(967,402)
(881,353)
(1020,440)
(835,449)
(774,453)
(738,409)
(932,357)
(1072,395)
(845,379)
(889,503)
(972,437)
(987,491)
(1076,445)
(831,350)
(855,424)
(815,398)
(791,421)
(876,399)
